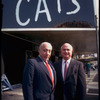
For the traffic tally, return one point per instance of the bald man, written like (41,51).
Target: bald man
(39,77)
(71,82)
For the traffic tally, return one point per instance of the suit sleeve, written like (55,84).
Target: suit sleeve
(27,83)
(81,86)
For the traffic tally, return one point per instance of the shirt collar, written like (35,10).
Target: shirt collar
(42,59)
(68,61)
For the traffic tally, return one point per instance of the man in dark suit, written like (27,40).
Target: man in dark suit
(71,82)
(38,80)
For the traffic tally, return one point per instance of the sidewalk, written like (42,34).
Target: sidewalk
(92,82)
(92,86)
(92,89)
(16,94)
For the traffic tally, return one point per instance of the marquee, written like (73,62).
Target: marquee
(46,13)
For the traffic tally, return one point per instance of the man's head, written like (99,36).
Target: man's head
(66,51)
(45,50)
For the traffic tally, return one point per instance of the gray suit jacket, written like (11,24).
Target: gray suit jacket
(37,84)
(74,86)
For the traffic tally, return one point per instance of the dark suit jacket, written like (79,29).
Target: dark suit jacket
(74,86)
(37,84)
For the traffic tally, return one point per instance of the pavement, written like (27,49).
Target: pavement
(92,83)
(92,89)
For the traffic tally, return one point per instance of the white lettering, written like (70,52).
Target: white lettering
(17,14)
(76,10)
(42,11)
(45,10)
(59,6)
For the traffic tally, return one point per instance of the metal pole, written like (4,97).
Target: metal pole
(97,40)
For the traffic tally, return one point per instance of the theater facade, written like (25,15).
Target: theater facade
(27,23)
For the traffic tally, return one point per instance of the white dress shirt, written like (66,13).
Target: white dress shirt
(63,65)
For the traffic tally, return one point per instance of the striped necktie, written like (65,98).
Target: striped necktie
(65,70)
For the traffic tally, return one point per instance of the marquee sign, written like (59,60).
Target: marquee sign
(46,13)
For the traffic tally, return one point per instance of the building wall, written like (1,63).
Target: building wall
(14,57)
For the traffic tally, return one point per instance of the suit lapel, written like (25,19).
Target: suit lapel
(42,66)
(60,70)
(54,73)
(44,69)
(70,69)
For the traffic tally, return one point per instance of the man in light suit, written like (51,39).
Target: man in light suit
(37,83)
(71,86)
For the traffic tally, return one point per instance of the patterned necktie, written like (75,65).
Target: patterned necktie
(65,70)
(47,65)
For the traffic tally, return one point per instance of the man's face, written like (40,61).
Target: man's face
(66,51)
(45,51)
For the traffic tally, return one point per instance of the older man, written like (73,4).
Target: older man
(71,82)
(39,76)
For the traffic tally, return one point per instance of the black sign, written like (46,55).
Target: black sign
(47,13)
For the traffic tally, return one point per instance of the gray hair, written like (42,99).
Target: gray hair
(68,45)
(45,43)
